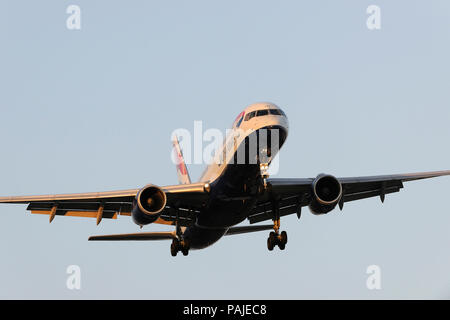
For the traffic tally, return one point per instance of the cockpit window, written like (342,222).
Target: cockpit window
(264,112)
(250,115)
(275,112)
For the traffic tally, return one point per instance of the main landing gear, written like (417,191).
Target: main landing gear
(179,243)
(276,238)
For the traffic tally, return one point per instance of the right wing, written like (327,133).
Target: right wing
(295,193)
(189,198)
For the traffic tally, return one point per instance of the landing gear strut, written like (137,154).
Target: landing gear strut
(179,243)
(275,237)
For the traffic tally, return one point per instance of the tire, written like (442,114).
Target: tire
(282,246)
(185,252)
(284,238)
(269,243)
(174,248)
(273,238)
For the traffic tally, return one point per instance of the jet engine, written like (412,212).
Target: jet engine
(148,205)
(326,193)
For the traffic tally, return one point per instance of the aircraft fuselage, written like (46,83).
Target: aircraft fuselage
(236,178)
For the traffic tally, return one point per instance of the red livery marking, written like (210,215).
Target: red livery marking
(180,166)
(239,116)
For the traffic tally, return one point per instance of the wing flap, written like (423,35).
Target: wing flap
(369,194)
(83,214)
(267,215)
(120,207)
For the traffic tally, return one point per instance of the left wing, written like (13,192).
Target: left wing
(296,193)
(188,198)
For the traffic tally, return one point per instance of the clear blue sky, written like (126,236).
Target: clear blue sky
(93,110)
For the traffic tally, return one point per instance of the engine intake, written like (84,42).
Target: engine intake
(326,191)
(148,205)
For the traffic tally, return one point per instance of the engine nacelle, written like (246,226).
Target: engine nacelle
(148,205)
(326,193)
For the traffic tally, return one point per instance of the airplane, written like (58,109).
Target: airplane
(228,192)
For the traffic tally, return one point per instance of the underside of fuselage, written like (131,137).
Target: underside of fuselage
(233,195)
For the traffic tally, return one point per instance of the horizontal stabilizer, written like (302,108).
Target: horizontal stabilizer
(248,229)
(135,236)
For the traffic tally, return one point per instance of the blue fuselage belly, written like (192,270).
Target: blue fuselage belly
(214,221)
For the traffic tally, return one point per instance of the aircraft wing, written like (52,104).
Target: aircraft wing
(294,193)
(189,198)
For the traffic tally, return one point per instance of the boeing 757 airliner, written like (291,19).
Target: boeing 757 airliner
(234,187)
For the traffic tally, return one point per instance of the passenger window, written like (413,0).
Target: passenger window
(262,113)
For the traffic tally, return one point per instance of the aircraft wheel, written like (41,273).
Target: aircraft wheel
(271,241)
(174,248)
(269,244)
(273,237)
(185,251)
(281,245)
(283,237)
(173,251)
